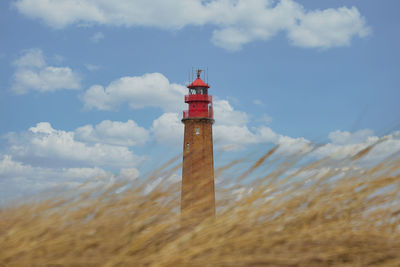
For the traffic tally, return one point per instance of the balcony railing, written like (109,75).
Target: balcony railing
(207,98)
(198,114)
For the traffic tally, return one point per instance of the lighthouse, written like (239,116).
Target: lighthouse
(198,195)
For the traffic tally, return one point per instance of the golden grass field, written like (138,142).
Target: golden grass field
(324,213)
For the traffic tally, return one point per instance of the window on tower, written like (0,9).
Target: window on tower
(197,130)
(187,146)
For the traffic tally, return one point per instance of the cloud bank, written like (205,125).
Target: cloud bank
(149,90)
(44,146)
(113,133)
(43,157)
(235,22)
(33,74)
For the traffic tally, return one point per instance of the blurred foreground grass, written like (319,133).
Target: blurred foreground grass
(326,212)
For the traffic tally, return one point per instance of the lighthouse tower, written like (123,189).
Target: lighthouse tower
(198,197)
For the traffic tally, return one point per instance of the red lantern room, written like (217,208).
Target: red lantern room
(200,103)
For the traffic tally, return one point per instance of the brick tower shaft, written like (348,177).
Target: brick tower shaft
(198,196)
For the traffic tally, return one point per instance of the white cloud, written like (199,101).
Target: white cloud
(339,151)
(32,73)
(231,130)
(19,180)
(231,137)
(346,144)
(328,28)
(97,37)
(113,133)
(291,145)
(129,173)
(235,22)
(31,58)
(164,14)
(149,90)
(390,145)
(345,138)
(44,146)
(168,129)
(225,114)
(43,158)
(8,166)
(85,173)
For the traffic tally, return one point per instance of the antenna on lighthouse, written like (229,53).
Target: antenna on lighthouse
(207,75)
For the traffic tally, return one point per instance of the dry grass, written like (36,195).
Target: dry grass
(319,214)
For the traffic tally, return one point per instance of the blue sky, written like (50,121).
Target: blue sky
(95,88)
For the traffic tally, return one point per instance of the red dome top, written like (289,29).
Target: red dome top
(198,83)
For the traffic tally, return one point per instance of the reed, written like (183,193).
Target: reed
(277,212)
